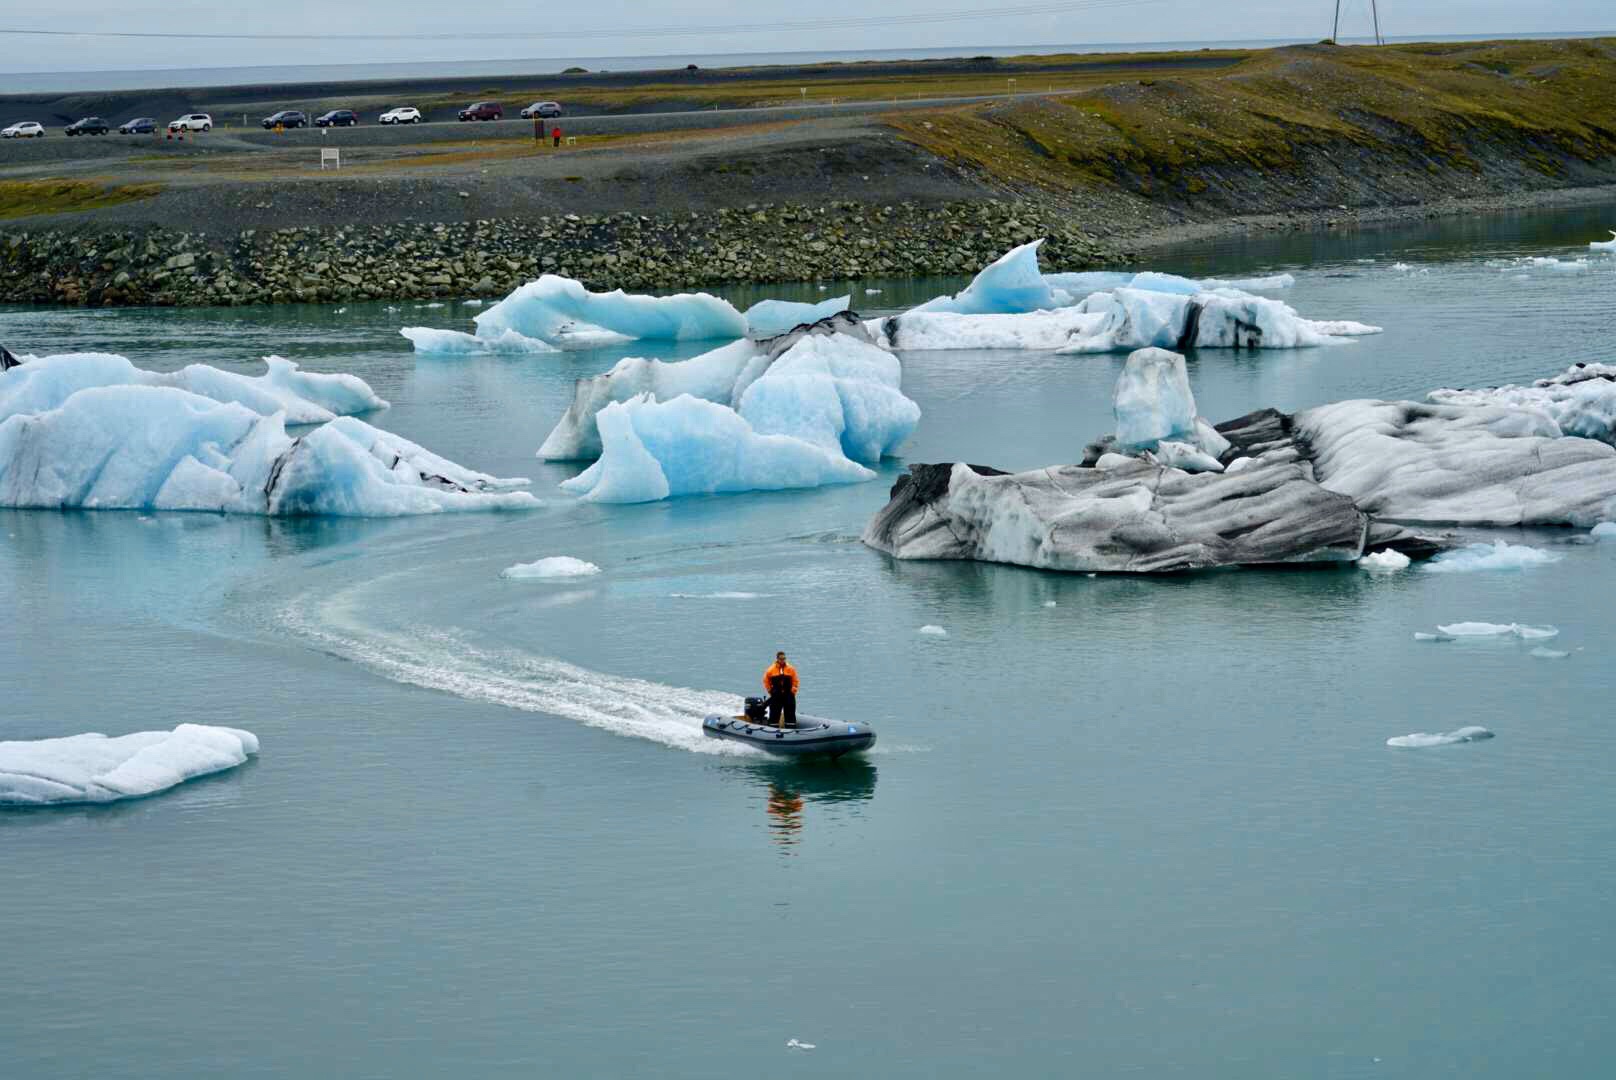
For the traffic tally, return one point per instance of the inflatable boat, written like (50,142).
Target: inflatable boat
(810,735)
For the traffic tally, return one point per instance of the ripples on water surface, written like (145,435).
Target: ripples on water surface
(1152,829)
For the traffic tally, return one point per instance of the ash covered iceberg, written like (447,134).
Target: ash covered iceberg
(807,409)
(1331,484)
(44,383)
(95,769)
(122,446)
(1580,400)
(559,311)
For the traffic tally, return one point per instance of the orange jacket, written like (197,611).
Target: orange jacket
(778,668)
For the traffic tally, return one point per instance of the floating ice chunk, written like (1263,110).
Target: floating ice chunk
(872,292)
(1495,556)
(45,383)
(1421,740)
(474,303)
(1271,283)
(1422,636)
(767,318)
(836,392)
(1486,629)
(95,769)
(554,309)
(1223,318)
(555,566)
(1544,653)
(1012,284)
(933,630)
(1385,562)
(795,1044)
(157,447)
(1605,530)
(651,450)
(1570,267)
(717,596)
(1604,245)
(1049,603)
(433,342)
(1152,400)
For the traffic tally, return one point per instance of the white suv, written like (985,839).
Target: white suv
(197,121)
(405,115)
(25,130)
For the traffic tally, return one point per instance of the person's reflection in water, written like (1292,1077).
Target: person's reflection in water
(785,814)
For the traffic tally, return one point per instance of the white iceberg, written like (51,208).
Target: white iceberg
(560,311)
(161,448)
(1386,562)
(1580,401)
(770,318)
(555,566)
(1498,555)
(651,450)
(1421,739)
(96,769)
(933,630)
(1605,530)
(1487,629)
(430,341)
(1544,653)
(1604,245)
(45,383)
(1011,284)
(1152,400)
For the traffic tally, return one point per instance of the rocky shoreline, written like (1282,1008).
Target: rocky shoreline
(412,260)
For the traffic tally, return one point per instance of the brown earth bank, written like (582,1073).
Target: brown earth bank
(1303,137)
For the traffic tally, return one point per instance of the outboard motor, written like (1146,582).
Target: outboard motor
(757,709)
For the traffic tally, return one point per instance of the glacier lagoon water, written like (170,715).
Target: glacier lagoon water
(1154,829)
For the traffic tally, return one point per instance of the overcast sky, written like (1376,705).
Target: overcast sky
(521,30)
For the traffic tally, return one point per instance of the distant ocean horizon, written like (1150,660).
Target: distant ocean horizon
(14,82)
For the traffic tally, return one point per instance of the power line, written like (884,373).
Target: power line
(867,22)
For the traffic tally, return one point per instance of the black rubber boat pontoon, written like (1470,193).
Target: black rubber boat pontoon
(810,735)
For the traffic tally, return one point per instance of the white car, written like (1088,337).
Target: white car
(197,121)
(25,130)
(406,115)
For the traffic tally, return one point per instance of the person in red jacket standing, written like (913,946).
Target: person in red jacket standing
(781,682)
(555,134)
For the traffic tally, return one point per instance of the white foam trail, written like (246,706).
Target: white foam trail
(1422,739)
(717,595)
(446,661)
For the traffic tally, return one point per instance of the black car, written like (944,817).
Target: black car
(141,125)
(337,118)
(286,118)
(90,125)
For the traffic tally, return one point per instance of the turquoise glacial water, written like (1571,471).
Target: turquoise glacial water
(1153,830)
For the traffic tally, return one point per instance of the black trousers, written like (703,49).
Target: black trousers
(783,702)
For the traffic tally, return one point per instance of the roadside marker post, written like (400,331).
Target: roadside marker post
(331,154)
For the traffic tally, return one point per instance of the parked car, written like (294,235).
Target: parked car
(541,109)
(27,129)
(141,125)
(90,125)
(337,118)
(407,114)
(483,110)
(286,118)
(196,121)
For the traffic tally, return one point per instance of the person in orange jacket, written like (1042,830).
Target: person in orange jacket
(781,682)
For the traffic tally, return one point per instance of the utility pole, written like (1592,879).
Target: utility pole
(1374,6)
(1335,34)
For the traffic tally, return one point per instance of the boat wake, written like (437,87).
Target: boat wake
(447,661)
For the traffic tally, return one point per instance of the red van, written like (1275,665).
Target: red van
(483,110)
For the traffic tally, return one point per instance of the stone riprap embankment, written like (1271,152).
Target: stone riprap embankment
(761,244)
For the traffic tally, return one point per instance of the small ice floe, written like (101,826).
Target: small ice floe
(797,1044)
(1487,629)
(434,304)
(1545,653)
(556,566)
(342,311)
(1385,562)
(474,303)
(1495,556)
(391,309)
(95,769)
(1605,530)
(1049,603)
(1574,266)
(1604,245)
(872,292)
(933,630)
(1419,740)
(1420,635)
(716,595)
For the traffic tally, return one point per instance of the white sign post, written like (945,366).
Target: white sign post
(331,154)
